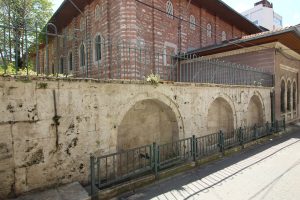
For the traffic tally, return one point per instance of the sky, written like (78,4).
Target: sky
(288,9)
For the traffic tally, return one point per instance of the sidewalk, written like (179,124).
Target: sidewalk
(73,191)
(268,171)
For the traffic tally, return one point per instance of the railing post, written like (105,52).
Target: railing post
(155,159)
(276,126)
(93,186)
(241,136)
(255,132)
(194,148)
(268,128)
(221,142)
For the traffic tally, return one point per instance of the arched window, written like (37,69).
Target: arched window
(97,12)
(208,30)
(82,55)
(224,36)
(289,93)
(98,47)
(61,65)
(294,96)
(169,9)
(82,24)
(282,97)
(70,61)
(192,22)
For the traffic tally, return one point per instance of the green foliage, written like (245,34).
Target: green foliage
(10,70)
(22,15)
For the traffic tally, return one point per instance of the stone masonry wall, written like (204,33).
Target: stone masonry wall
(34,154)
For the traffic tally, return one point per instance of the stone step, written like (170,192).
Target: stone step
(73,191)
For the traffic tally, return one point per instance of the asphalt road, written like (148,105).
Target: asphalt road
(270,171)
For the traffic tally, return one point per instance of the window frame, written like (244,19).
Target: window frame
(170,9)
(209,30)
(192,22)
(61,65)
(80,55)
(295,93)
(289,96)
(282,96)
(70,64)
(97,12)
(96,60)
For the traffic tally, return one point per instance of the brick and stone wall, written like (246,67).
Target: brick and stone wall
(105,117)
(145,27)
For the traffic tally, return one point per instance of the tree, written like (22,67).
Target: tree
(18,22)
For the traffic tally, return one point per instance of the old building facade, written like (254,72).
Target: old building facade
(102,38)
(276,52)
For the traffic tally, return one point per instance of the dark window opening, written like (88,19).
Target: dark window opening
(282,97)
(70,61)
(289,92)
(294,96)
(61,69)
(82,56)
(98,55)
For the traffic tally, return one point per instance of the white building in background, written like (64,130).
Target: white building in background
(263,15)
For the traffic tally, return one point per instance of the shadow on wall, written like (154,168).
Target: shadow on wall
(255,115)
(146,122)
(220,117)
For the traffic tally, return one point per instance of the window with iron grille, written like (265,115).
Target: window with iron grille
(82,55)
(70,58)
(169,9)
(98,47)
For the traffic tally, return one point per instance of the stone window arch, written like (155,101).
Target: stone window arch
(294,96)
(192,22)
(82,55)
(169,9)
(224,36)
(289,96)
(97,12)
(282,96)
(208,30)
(98,47)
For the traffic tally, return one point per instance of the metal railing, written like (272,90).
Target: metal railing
(119,167)
(75,55)
(202,70)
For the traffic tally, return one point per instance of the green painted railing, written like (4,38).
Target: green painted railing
(112,169)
